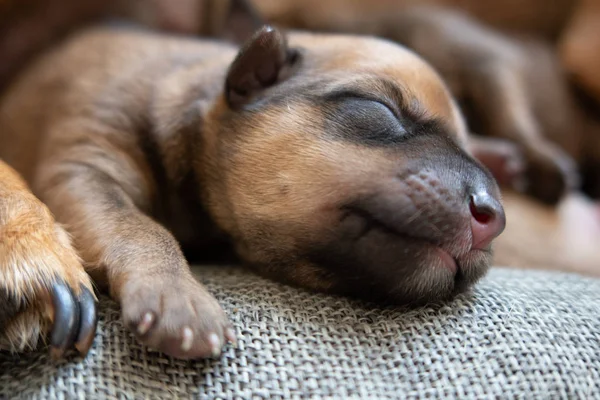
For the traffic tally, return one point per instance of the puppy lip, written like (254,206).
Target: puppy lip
(447,260)
(375,223)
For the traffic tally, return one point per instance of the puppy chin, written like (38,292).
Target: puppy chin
(439,276)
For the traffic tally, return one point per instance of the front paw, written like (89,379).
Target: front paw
(551,173)
(175,315)
(43,289)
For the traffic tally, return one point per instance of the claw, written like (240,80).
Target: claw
(230,336)
(146,323)
(87,321)
(215,344)
(66,319)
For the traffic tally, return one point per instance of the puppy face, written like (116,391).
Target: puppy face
(340,167)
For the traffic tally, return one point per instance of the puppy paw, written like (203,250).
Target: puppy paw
(44,290)
(503,159)
(176,316)
(551,174)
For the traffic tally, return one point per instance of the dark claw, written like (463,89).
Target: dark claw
(66,319)
(88,319)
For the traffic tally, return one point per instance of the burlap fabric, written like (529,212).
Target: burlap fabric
(521,334)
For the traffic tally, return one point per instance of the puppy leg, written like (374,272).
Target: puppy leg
(489,72)
(105,193)
(43,285)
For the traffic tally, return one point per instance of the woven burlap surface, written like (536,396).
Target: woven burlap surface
(520,334)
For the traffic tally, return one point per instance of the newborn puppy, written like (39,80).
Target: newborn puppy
(335,163)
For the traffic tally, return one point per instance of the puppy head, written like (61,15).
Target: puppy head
(337,163)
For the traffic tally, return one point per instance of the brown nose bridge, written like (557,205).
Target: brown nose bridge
(456,171)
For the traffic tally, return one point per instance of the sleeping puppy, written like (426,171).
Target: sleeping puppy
(335,163)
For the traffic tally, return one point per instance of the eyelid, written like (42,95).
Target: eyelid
(364,96)
(394,110)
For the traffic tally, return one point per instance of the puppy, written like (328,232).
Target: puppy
(335,163)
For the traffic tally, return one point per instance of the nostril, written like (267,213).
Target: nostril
(481,210)
(487,221)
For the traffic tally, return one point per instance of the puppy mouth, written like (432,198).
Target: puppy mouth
(446,259)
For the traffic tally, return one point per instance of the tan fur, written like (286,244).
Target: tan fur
(34,252)
(510,78)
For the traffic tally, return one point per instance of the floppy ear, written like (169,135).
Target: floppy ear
(234,20)
(261,62)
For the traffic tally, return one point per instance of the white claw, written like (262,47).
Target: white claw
(215,344)
(145,324)
(188,339)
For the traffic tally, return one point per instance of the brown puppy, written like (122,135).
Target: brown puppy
(335,163)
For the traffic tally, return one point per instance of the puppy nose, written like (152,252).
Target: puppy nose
(487,219)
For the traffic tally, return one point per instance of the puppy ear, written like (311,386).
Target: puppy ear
(234,20)
(263,61)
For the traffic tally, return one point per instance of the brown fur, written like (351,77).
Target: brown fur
(571,24)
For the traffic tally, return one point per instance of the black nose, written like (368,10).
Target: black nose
(487,219)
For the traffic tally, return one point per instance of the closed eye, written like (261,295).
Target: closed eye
(366,120)
(343,95)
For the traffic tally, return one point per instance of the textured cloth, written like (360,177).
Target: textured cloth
(521,334)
